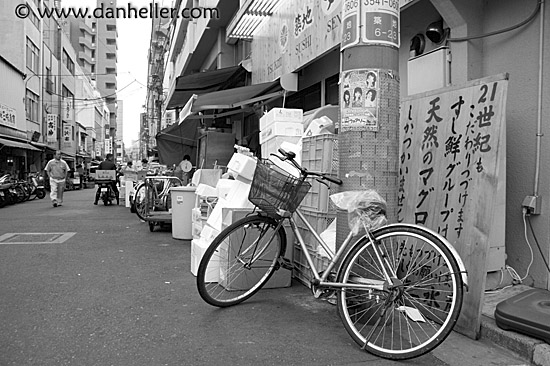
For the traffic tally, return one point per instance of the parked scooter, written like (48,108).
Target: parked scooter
(37,188)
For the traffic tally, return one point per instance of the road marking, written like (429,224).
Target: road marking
(35,238)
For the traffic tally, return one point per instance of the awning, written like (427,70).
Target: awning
(176,141)
(19,145)
(200,83)
(39,145)
(237,97)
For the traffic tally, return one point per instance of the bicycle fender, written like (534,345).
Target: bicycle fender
(463,272)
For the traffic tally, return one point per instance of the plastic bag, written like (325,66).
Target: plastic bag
(366,209)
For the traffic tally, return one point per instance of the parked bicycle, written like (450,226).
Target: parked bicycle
(399,287)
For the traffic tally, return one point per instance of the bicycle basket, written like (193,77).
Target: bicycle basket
(272,189)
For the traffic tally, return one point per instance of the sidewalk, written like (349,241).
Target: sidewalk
(533,350)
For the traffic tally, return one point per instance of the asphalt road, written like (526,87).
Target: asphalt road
(93,286)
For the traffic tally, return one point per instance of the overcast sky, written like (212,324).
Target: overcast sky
(133,44)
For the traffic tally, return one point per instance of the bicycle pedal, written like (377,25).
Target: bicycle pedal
(286,263)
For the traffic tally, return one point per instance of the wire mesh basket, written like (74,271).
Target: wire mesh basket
(273,189)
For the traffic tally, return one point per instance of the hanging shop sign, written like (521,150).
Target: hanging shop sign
(360,94)
(108,146)
(68,109)
(297,33)
(67,136)
(380,22)
(51,127)
(7,116)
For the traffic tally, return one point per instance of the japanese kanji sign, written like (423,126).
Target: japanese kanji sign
(51,127)
(350,30)
(452,172)
(380,22)
(7,116)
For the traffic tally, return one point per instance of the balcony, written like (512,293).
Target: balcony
(84,56)
(86,42)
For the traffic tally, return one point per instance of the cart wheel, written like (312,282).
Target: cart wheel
(151,226)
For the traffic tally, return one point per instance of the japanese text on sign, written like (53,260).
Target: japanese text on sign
(350,29)
(380,22)
(449,157)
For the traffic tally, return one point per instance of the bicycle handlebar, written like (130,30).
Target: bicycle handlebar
(290,155)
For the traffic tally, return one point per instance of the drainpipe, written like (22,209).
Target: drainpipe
(539,111)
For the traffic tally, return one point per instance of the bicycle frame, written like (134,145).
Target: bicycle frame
(334,257)
(344,248)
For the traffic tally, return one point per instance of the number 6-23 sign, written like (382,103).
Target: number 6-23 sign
(380,20)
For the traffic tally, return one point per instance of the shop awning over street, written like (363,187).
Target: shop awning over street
(238,97)
(202,82)
(176,141)
(17,144)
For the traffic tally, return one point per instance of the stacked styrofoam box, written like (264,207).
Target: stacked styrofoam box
(242,167)
(198,248)
(281,278)
(279,125)
(205,202)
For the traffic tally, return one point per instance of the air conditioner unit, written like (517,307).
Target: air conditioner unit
(429,71)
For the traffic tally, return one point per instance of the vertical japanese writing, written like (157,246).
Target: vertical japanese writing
(405,159)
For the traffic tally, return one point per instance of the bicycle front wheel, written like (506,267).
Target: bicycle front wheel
(240,260)
(415,311)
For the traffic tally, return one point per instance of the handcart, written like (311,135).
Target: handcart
(158,202)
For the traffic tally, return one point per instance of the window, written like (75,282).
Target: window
(110,85)
(31,106)
(33,56)
(33,18)
(307,99)
(69,64)
(111,56)
(111,27)
(66,93)
(111,42)
(110,70)
(331,90)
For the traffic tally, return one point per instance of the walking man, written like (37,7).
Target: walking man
(57,170)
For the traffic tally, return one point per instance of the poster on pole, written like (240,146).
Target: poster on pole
(380,20)
(51,127)
(452,176)
(360,93)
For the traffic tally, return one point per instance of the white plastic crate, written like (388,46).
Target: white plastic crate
(319,220)
(320,154)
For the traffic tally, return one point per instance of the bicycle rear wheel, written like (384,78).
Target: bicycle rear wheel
(416,313)
(240,260)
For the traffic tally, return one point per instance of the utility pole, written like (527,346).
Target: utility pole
(369,109)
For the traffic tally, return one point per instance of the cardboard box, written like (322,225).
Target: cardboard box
(105,175)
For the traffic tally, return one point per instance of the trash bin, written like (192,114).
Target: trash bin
(183,201)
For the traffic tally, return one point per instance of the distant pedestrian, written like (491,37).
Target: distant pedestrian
(58,171)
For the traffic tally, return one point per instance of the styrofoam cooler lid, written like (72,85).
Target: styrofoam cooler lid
(183,189)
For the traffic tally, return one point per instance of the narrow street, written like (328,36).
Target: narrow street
(110,292)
